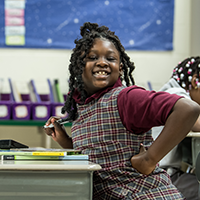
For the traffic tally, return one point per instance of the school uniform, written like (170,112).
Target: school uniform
(110,126)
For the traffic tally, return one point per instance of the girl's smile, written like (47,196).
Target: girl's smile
(102,67)
(101,74)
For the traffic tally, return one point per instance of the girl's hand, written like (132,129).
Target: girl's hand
(58,133)
(51,131)
(142,163)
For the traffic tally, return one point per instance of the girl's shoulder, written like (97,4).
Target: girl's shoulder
(128,91)
(123,87)
(134,88)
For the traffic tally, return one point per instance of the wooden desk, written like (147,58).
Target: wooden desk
(46,180)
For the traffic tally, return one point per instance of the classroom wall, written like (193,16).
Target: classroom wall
(156,67)
(195,28)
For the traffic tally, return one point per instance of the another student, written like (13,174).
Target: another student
(185,82)
(111,122)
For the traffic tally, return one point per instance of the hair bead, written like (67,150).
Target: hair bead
(180,70)
(181,76)
(189,78)
(189,71)
(183,84)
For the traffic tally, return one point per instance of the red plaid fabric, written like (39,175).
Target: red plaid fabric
(99,132)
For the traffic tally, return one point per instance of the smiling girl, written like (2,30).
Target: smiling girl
(112,122)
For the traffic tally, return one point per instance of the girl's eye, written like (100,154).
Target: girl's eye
(92,57)
(110,58)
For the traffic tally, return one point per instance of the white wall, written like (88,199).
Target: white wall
(156,67)
(195,28)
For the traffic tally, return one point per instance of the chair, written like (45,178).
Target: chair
(197,170)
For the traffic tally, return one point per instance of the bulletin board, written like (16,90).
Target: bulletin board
(140,24)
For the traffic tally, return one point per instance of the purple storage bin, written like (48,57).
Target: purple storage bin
(22,110)
(5,107)
(41,110)
(56,108)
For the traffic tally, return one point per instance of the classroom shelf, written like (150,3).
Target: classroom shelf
(25,123)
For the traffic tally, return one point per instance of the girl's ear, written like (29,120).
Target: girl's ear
(194,81)
(121,69)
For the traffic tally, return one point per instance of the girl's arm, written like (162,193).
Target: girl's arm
(59,134)
(181,120)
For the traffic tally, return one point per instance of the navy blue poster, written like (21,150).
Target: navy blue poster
(140,24)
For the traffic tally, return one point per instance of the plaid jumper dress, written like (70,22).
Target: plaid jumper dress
(99,132)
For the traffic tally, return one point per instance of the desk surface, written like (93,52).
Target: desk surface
(193,134)
(48,165)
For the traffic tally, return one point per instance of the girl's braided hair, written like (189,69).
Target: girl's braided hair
(184,71)
(90,31)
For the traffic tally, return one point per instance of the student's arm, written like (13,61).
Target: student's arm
(181,120)
(59,134)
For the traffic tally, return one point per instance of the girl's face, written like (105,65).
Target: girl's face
(102,68)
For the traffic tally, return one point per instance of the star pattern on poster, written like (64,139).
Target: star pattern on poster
(140,25)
